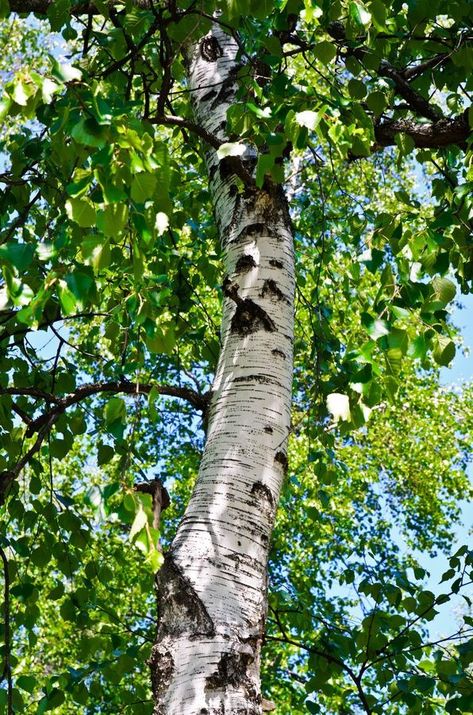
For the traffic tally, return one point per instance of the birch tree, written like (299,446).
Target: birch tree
(112,243)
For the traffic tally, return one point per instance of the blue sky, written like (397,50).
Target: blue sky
(461,370)
(462,366)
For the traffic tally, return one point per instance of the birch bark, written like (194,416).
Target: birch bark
(212,587)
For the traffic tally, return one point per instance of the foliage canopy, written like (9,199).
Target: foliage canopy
(109,334)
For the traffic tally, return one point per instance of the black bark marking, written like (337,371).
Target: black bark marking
(263,493)
(268,429)
(210,50)
(282,459)
(226,92)
(230,289)
(262,379)
(278,353)
(183,612)
(252,229)
(271,288)
(245,263)
(209,95)
(275,264)
(178,599)
(249,317)
(233,190)
(161,664)
(231,670)
(226,167)
(212,171)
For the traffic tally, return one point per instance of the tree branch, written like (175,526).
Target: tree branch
(9,314)
(416,70)
(41,7)
(175,121)
(439,134)
(415,100)
(8,477)
(44,422)
(233,162)
(124,386)
(332,659)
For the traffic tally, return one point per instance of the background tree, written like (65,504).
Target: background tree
(113,245)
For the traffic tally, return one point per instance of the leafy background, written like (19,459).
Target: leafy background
(111,274)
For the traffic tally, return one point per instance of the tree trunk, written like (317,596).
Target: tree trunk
(212,596)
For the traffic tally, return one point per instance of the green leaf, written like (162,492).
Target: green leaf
(105,454)
(63,72)
(360,147)
(139,523)
(82,212)
(19,255)
(263,167)
(5,106)
(444,350)
(377,102)
(88,132)
(325,51)
(359,14)
(378,14)
(80,183)
(163,341)
(115,410)
(112,219)
(261,8)
(41,556)
(154,560)
(66,298)
(143,186)
(80,284)
(357,89)
(447,575)
(405,143)
(19,94)
(59,13)
(444,289)
(48,90)
(189,27)
(376,328)
(152,398)
(261,113)
(96,252)
(27,682)
(4,9)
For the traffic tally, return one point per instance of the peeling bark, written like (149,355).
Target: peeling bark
(212,589)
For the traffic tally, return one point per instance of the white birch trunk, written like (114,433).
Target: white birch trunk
(212,587)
